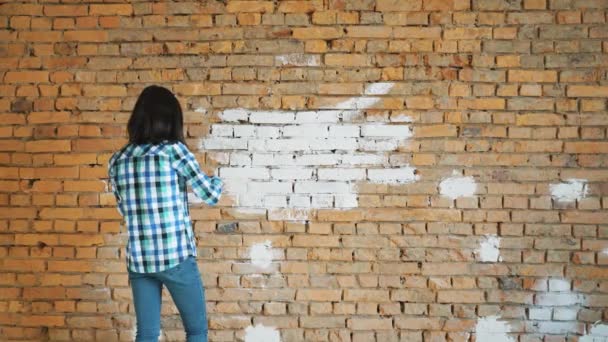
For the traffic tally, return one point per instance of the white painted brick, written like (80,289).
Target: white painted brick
(541,314)
(559,285)
(301,201)
(378,88)
(398,175)
(558,328)
(270,117)
(341,174)
(225,144)
(244,172)
(358,103)
(379,130)
(346,201)
(270,187)
(268,132)
(318,159)
(565,314)
(305,187)
(233,115)
(323,201)
(251,200)
(321,116)
(291,173)
(235,185)
(349,144)
(282,145)
(344,130)
(273,159)
(244,131)
(378,144)
(256,145)
(239,158)
(558,299)
(364,159)
(305,130)
(275,201)
(219,130)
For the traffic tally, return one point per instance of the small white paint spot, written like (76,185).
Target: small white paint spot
(598,333)
(569,191)
(490,329)
(378,88)
(260,333)
(605,251)
(401,118)
(261,254)
(457,186)
(488,250)
(200,110)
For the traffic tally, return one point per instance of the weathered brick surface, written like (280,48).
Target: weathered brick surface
(396,170)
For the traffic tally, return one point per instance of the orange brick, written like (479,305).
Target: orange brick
(86,36)
(250,6)
(65,10)
(26,77)
(587,91)
(48,146)
(110,9)
(549,76)
(317,33)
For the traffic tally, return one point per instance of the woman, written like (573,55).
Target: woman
(149,177)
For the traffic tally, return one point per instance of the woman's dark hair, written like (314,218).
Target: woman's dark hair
(157,116)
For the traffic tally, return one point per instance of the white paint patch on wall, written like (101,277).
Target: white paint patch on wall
(260,333)
(302,160)
(488,250)
(569,191)
(261,254)
(598,333)
(297,59)
(457,186)
(490,329)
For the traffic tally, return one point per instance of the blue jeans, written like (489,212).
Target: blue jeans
(186,288)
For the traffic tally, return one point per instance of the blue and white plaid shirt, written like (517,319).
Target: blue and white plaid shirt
(149,182)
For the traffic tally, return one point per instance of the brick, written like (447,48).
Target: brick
(398,5)
(86,36)
(48,146)
(250,6)
(114,9)
(532,76)
(26,77)
(587,91)
(317,33)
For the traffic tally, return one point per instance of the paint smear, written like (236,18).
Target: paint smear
(260,333)
(297,59)
(598,333)
(488,250)
(490,329)
(457,186)
(261,254)
(569,191)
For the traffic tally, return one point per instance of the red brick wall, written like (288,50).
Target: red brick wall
(398,170)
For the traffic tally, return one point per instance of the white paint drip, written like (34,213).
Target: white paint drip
(598,333)
(279,159)
(260,333)
(200,110)
(569,191)
(297,59)
(261,254)
(457,186)
(488,250)
(490,329)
